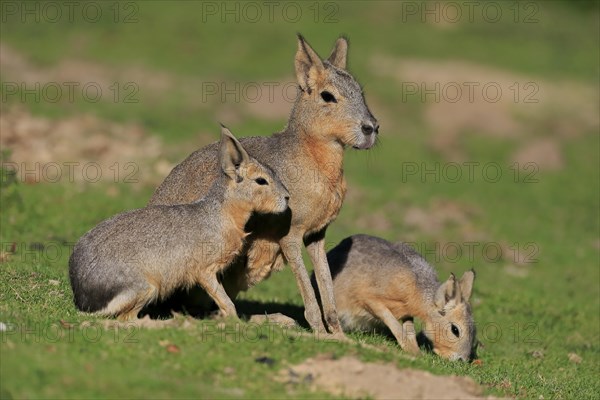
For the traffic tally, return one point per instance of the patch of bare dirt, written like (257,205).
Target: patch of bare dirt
(352,378)
(377,220)
(452,228)
(269,100)
(441,214)
(463,97)
(272,100)
(80,148)
(17,68)
(356,194)
(545,153)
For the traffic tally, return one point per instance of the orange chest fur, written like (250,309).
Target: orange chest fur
(324,186)
(330,194)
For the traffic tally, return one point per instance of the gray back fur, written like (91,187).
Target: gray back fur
(161,248)
(380,259)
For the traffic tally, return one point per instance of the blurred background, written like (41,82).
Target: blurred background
(488,153)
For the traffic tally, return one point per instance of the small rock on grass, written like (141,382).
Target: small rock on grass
(277,319)
(574,358)
(537,353)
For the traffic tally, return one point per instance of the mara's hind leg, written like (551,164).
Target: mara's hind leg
(216,291)
(127,305)
(403,332)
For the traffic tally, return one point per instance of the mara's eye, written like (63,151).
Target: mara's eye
(455,330)
(328,97)
(261,181)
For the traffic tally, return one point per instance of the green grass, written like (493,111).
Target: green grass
(553,309)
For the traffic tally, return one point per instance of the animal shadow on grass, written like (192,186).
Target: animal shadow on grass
(423,341)
(245,308)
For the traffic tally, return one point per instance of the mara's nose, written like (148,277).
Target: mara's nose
(369,128)
(287,198)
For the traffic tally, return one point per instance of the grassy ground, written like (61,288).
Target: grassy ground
(536,305)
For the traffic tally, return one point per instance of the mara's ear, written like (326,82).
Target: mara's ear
(445,292)
(308,65)
(232,155)
(466,285)
(339,54)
